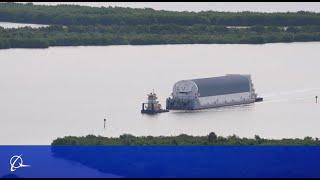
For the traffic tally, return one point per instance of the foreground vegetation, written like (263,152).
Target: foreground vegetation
(183,139)
(72,25)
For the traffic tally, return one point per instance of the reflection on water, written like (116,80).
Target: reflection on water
(60,91)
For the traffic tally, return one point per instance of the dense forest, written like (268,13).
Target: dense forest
(183,139)
(58,35)
(73,25)
(83,15)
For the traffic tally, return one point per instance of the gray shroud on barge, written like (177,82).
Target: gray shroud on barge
(232,89)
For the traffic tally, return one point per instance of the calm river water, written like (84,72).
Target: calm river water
(60,91)
(8,25)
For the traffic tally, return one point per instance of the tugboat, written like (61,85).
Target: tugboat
(152,106)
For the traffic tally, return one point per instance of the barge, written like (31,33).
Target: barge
(194,94)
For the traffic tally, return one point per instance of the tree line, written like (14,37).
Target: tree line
(74,25)
(75,35)
(183,139)
(84,15)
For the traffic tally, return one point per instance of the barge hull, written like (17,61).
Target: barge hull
(199,107)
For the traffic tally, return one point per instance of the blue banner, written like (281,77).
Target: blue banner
(160,161)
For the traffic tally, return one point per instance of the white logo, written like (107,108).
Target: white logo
(16,162)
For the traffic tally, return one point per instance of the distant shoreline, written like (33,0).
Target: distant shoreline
(72,25)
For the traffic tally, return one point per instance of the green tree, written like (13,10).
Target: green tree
(212,137)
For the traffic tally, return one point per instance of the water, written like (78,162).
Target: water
(60,91)
(206,6)
(8,25)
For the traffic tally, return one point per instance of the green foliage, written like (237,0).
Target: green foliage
(182,139)
(212,138)
(150,34)
(83,15)
(73,25)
